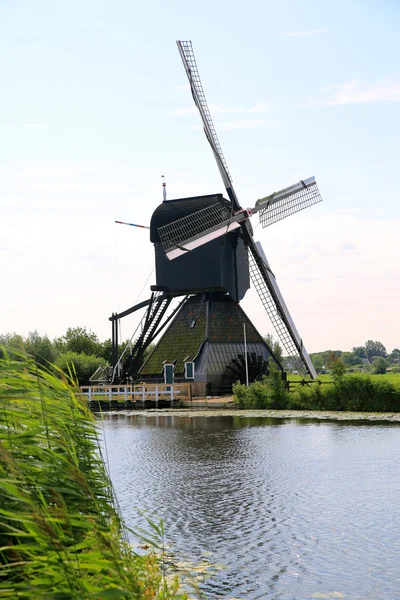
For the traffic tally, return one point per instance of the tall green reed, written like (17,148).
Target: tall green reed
(61,534)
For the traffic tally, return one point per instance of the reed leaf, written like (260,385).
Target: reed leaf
(61,533)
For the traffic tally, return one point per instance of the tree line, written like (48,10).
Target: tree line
(373,356)
(83,349)
(78,347)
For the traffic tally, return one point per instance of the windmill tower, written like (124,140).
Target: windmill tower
(205,252)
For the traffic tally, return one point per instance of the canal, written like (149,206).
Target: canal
(265,508)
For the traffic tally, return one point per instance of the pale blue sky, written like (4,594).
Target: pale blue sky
(94,108)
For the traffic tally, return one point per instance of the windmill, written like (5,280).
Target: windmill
(205,251)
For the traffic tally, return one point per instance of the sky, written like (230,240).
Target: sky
(95,107)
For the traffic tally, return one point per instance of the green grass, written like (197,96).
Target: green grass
(61,534)
(394,378)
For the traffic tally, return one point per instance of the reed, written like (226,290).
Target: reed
(61,534)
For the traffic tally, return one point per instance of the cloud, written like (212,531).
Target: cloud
(215,109)
(305,33)
(355,92)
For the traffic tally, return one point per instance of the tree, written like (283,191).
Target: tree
(375,349)
(338,369)
(394,356)
(380,365)
(78,339)
(359,351)
(317,361)
(275,346)
(41,348)
(349,358)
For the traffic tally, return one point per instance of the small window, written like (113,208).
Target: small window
(189,370)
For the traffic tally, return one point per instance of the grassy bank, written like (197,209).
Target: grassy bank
(354,392)
(61,535)
(389,376)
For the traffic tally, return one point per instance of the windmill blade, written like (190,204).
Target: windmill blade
(189,62)
(284,203)
(199,228)
(270,295)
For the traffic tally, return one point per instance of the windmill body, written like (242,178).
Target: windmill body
(219,266)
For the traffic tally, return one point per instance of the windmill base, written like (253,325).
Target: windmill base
(209,330)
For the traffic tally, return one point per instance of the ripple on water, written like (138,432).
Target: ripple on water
(291,511)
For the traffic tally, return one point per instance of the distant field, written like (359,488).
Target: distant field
(393,377)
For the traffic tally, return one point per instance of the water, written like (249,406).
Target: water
(277,509)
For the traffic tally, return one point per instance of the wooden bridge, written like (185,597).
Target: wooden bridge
(136,396)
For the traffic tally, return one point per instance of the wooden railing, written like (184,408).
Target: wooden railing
(137,393)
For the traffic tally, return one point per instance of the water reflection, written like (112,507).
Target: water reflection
(290,509)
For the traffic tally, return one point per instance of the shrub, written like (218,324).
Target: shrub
(271,392)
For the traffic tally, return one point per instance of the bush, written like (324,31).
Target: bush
(352,393)
(270,393)
(380,365)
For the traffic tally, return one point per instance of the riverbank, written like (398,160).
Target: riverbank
(211,410)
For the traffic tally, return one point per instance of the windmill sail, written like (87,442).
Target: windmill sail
(270,295)
(284,203)
(199,228)
(189,62)
(188,233)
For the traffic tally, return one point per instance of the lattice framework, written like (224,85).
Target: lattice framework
(274,313)
(176,233)
(278,209)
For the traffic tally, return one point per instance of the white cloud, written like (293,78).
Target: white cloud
(355,92)
(215,109)
(305,33)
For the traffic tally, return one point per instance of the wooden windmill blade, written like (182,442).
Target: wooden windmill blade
(189,62)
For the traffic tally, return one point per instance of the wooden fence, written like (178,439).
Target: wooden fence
(138,393)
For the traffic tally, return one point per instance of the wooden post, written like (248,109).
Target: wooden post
(156,396)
